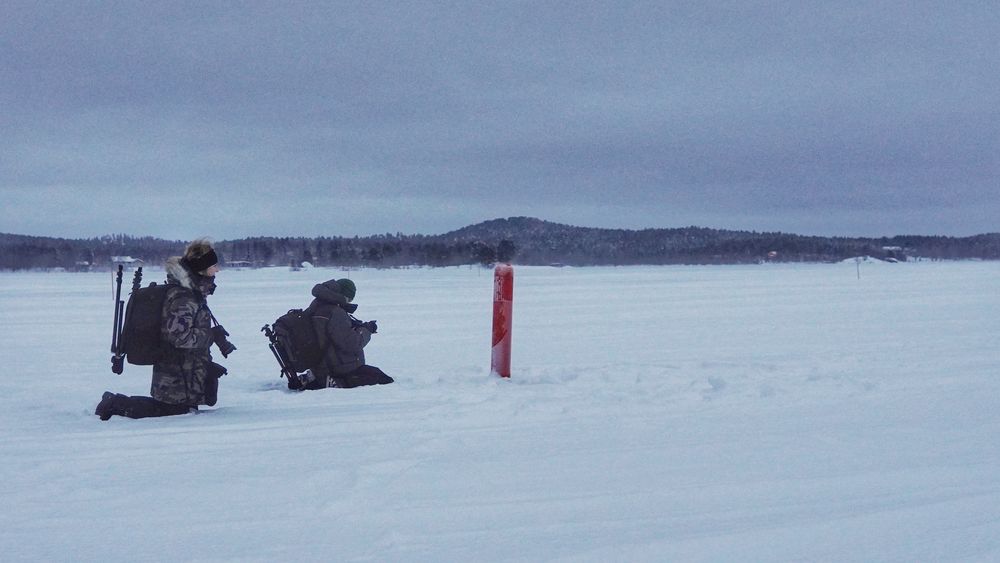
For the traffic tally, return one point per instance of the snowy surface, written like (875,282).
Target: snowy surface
(735,413)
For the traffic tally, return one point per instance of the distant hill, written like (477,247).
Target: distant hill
(523,240)
(540,242)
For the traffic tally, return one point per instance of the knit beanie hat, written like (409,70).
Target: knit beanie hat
(347,288)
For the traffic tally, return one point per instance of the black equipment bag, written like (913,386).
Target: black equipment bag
(297,340)
(141,340)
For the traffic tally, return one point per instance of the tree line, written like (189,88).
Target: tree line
(522,240)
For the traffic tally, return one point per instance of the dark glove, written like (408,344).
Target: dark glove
(371,326)
(219,335)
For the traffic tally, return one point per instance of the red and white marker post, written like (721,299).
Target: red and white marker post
(503,305)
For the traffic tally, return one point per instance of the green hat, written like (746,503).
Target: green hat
(347,288)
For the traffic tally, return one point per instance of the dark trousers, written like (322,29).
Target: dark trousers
(136,407)
(364,375)
(143,407)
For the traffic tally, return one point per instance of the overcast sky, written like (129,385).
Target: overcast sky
(181,119)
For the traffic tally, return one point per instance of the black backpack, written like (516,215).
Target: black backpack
(141,341)
(297,340)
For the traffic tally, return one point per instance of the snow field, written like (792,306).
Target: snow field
(755,413)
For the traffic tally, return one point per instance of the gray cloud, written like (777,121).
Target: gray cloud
(356,118)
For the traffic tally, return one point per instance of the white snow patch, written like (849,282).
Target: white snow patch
(787,412)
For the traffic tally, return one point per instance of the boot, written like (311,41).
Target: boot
(108,406)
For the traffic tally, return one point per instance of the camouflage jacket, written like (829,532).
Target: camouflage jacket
(180,377)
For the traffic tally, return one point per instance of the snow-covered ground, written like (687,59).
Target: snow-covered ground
(736,413)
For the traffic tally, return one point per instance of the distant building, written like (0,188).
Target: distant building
(126,261)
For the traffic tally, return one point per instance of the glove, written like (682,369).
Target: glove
(219,335)
(371,326)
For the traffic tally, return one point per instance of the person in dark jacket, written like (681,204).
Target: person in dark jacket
(186,376)
(343,339)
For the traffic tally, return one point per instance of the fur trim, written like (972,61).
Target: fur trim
(175,270)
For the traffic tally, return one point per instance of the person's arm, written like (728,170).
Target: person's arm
(344,335)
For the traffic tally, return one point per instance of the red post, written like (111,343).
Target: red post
(503,301)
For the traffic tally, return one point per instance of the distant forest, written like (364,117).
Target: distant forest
(521,240)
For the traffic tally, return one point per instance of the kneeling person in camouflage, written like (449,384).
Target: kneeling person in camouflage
(185,377)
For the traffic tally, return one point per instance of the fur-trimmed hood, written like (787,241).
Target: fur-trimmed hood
(177,273)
